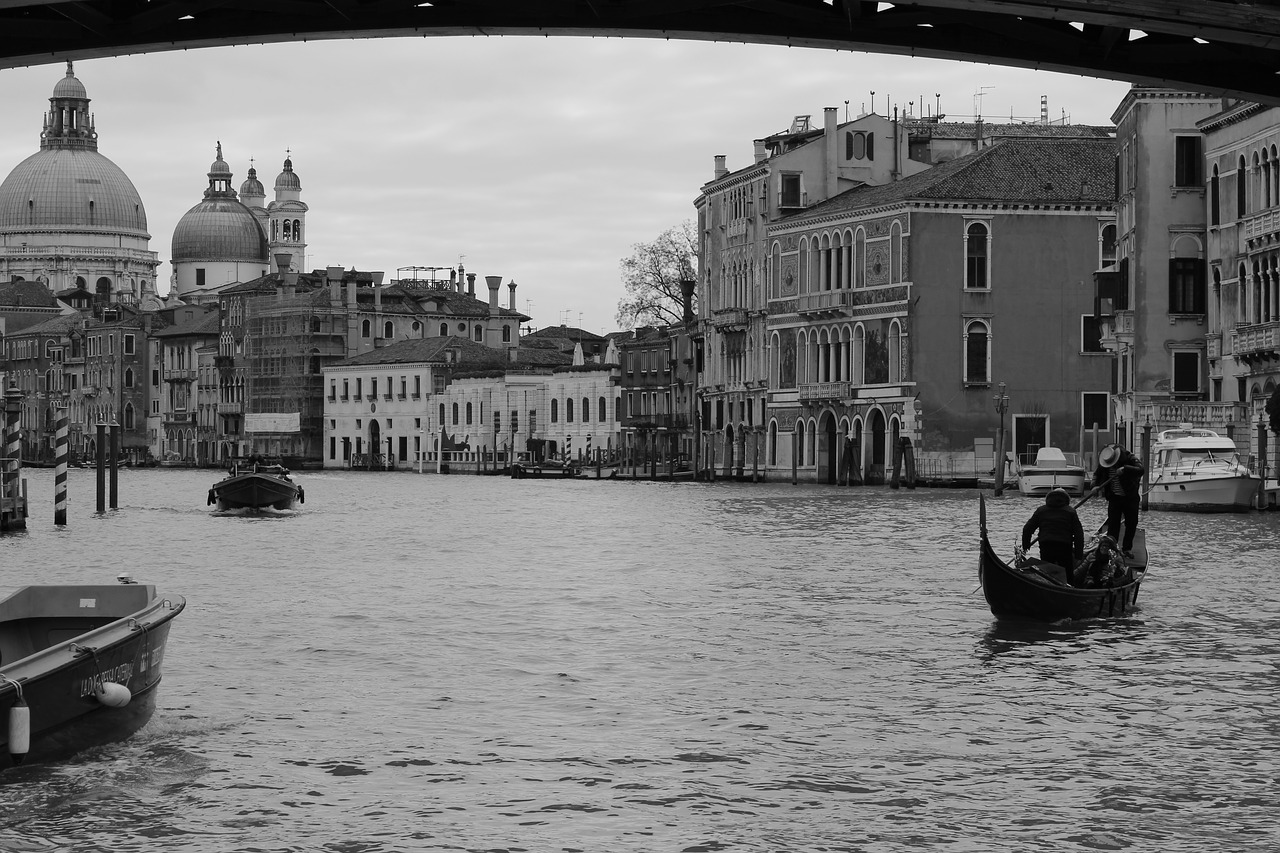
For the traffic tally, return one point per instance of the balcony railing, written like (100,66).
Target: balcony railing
(1215,416)
(173,375)
(230,408)
(730,318)
(1257,338)
(824,302)
(663,421)
(1262,224)
(815,391)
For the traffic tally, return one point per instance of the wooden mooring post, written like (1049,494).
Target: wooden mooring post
(13,497)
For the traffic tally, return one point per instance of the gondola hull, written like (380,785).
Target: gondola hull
(1022,593)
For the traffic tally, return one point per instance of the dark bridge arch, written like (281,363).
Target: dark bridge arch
(1224,47)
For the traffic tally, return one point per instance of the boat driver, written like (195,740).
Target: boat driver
(1119,478)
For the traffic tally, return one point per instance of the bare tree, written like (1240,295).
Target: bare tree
(651,277)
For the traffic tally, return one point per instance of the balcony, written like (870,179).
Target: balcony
(730,319)
(88,391)
(173,375)
(816,392)
(1263,224)
(230,408)
(828,303)
(663,421)
(1214,416)
(1257,342)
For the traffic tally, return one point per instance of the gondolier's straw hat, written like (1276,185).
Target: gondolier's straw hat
(1110,456)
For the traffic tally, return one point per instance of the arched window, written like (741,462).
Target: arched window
(366,328)
(388,330)
(479,332)
(586,410)
(288,230)
(895,352)
(315,325)
(315,362)
(860,259)
(1213,197)
(975,256)
(128,377)
(442,414)
(506,334)
(604,411)
(128,416)
(297,230)
(977,352)
(858,373)
(895,254)
(1241,171)
(555,410)
(568,410)
(455,414)
(1107,251)
(444,330)
(468,414)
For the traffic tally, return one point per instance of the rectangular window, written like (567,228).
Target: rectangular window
(1094,409)
(1186,286)
(1090,334)
(1188,161)
(790,190)
(1186,373)
(128,344)
(199,276)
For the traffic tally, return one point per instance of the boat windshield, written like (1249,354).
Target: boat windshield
(1191,456)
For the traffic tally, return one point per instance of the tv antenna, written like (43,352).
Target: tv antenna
(977,100)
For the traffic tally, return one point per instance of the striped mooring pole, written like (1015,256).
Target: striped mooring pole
(11,465)
(60,466)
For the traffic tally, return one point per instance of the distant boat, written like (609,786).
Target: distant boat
(256,485)
(1051,469)
(547,469)
(1198,470)
(79,665)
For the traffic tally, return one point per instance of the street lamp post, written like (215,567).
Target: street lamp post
(1002,405)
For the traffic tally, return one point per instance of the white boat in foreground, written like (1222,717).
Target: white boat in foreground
(1198,470)
(1051,469)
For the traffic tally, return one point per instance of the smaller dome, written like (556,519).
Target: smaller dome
(287,180)
(69,86)
(252,186)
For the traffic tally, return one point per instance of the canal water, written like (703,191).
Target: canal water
(480,664)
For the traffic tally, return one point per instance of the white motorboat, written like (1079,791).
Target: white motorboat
(1198,470)
(1051,469)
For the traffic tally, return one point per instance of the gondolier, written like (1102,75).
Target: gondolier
(1119,478)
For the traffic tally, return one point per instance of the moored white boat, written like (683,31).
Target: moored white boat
(1051,469)
(1198,470)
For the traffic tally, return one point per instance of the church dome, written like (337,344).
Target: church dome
(287,180)
(252,186)
(70,189)
(69,86)
(219,229)
(67,185)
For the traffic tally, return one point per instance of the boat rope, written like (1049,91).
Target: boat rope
(16,685)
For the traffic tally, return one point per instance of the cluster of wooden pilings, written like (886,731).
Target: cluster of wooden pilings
(13,488)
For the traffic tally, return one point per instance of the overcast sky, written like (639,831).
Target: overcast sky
(540,160)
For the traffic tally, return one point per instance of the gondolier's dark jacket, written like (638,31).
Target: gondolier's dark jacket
(1058,523)
(1130,478)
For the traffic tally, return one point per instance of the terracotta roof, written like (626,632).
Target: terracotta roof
(567,332)
(26,294)
(204,324)
(1021,171)
(59,325)
(1011,130)
(430,349)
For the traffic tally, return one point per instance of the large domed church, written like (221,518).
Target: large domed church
(69,217)
(224,239)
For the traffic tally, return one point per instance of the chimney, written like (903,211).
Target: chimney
(762,153)
(494,282)
(333,276)
(687,287)
(721,171)
(829,119)
(511,300)
(462,274)
(471,285)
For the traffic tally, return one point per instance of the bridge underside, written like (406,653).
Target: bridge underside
(1228,47)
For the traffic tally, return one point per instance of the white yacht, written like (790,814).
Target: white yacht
(1051,469)
(1198,470)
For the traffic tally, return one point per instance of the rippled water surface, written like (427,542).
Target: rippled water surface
(481,664)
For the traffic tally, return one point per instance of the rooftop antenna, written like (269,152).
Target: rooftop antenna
(977,101)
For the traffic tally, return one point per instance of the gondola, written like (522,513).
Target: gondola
(1024,591)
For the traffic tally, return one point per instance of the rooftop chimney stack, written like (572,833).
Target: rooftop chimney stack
(721,171)
(511,299)
(471,285)
(830,150)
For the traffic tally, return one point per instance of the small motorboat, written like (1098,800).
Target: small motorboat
(1034,591)
(1051,469)
(256,485)
(79,665)
(1198,470)
(547,469)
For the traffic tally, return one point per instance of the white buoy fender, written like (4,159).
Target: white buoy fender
(113,695)
(19,730)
